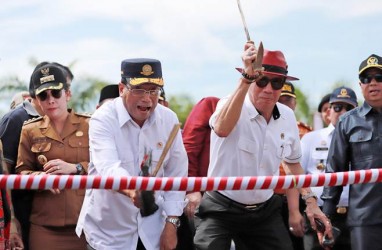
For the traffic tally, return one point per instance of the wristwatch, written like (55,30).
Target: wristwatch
(79,168)
(174,221)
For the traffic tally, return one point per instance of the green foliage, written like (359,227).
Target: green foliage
(181,105)
(302,109)
(85,94)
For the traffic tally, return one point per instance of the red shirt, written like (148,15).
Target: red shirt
(196,136)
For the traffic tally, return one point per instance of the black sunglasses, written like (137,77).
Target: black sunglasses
(276,83)
(338,107)
(368,78)
(56,93)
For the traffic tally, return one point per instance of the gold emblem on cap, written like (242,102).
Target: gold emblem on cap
(372,61)
(42,159)
(287,87)
(147,70)
(45,71)
(343,94)
(79,133)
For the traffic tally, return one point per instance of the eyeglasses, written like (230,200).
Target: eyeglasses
(56,93)
(367,79)
(338,107)
(276,83)
(142,92)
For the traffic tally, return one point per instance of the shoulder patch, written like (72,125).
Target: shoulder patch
(87,115)
(35,119)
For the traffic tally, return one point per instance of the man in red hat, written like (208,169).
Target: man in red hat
(251,135)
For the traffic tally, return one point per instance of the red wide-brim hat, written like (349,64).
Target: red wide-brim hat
(274,64)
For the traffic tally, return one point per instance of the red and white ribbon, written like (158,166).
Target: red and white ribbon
(188,183)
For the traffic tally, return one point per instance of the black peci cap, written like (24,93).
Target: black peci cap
(324,100)
(109,91)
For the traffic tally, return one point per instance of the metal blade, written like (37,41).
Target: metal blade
(243,19)
(258,63)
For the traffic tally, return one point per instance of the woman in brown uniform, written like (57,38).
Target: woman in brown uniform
(57,143)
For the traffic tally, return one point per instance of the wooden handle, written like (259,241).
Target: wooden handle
(169,142)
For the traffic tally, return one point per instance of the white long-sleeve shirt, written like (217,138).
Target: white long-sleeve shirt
(117,146)
(315,149)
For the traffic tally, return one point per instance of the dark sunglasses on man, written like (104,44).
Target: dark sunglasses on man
(56,93)
(339,107)
(366,79)
(276,83)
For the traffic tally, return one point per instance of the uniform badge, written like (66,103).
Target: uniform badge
(79,133)
(320,166)
(42,159)
(159,145)
(372,61)
(282,136)
(147,70)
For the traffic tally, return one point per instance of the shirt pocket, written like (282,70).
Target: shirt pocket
(284,150)
(156,155)
(247,152)
(319,160)
(40,149)
(362,145)
(79,148)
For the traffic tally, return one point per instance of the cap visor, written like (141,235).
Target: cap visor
(50,85)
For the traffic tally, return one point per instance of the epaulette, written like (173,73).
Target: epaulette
(87,115)
(35,119)
(304,125)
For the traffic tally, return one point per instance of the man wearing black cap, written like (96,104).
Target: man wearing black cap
(315,148)
(356,145)
(127,138)
(108,93)
(251,134)
(324,109)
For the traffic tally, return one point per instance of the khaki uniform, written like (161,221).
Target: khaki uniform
(39,138)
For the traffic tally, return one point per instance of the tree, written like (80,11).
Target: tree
(181,105)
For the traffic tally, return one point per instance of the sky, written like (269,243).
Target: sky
(198,42)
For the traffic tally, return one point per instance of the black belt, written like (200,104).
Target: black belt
(231,203)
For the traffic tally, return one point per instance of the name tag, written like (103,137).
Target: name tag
(322,149)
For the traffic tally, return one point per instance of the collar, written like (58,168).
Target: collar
(253,112)
(124,116)
(27,105)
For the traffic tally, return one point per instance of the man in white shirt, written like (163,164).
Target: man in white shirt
(315,148)
(251,135)
(126,134)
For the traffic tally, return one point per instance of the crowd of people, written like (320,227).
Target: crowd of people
(133,132)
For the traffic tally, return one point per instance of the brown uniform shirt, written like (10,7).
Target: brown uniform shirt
(38,137)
